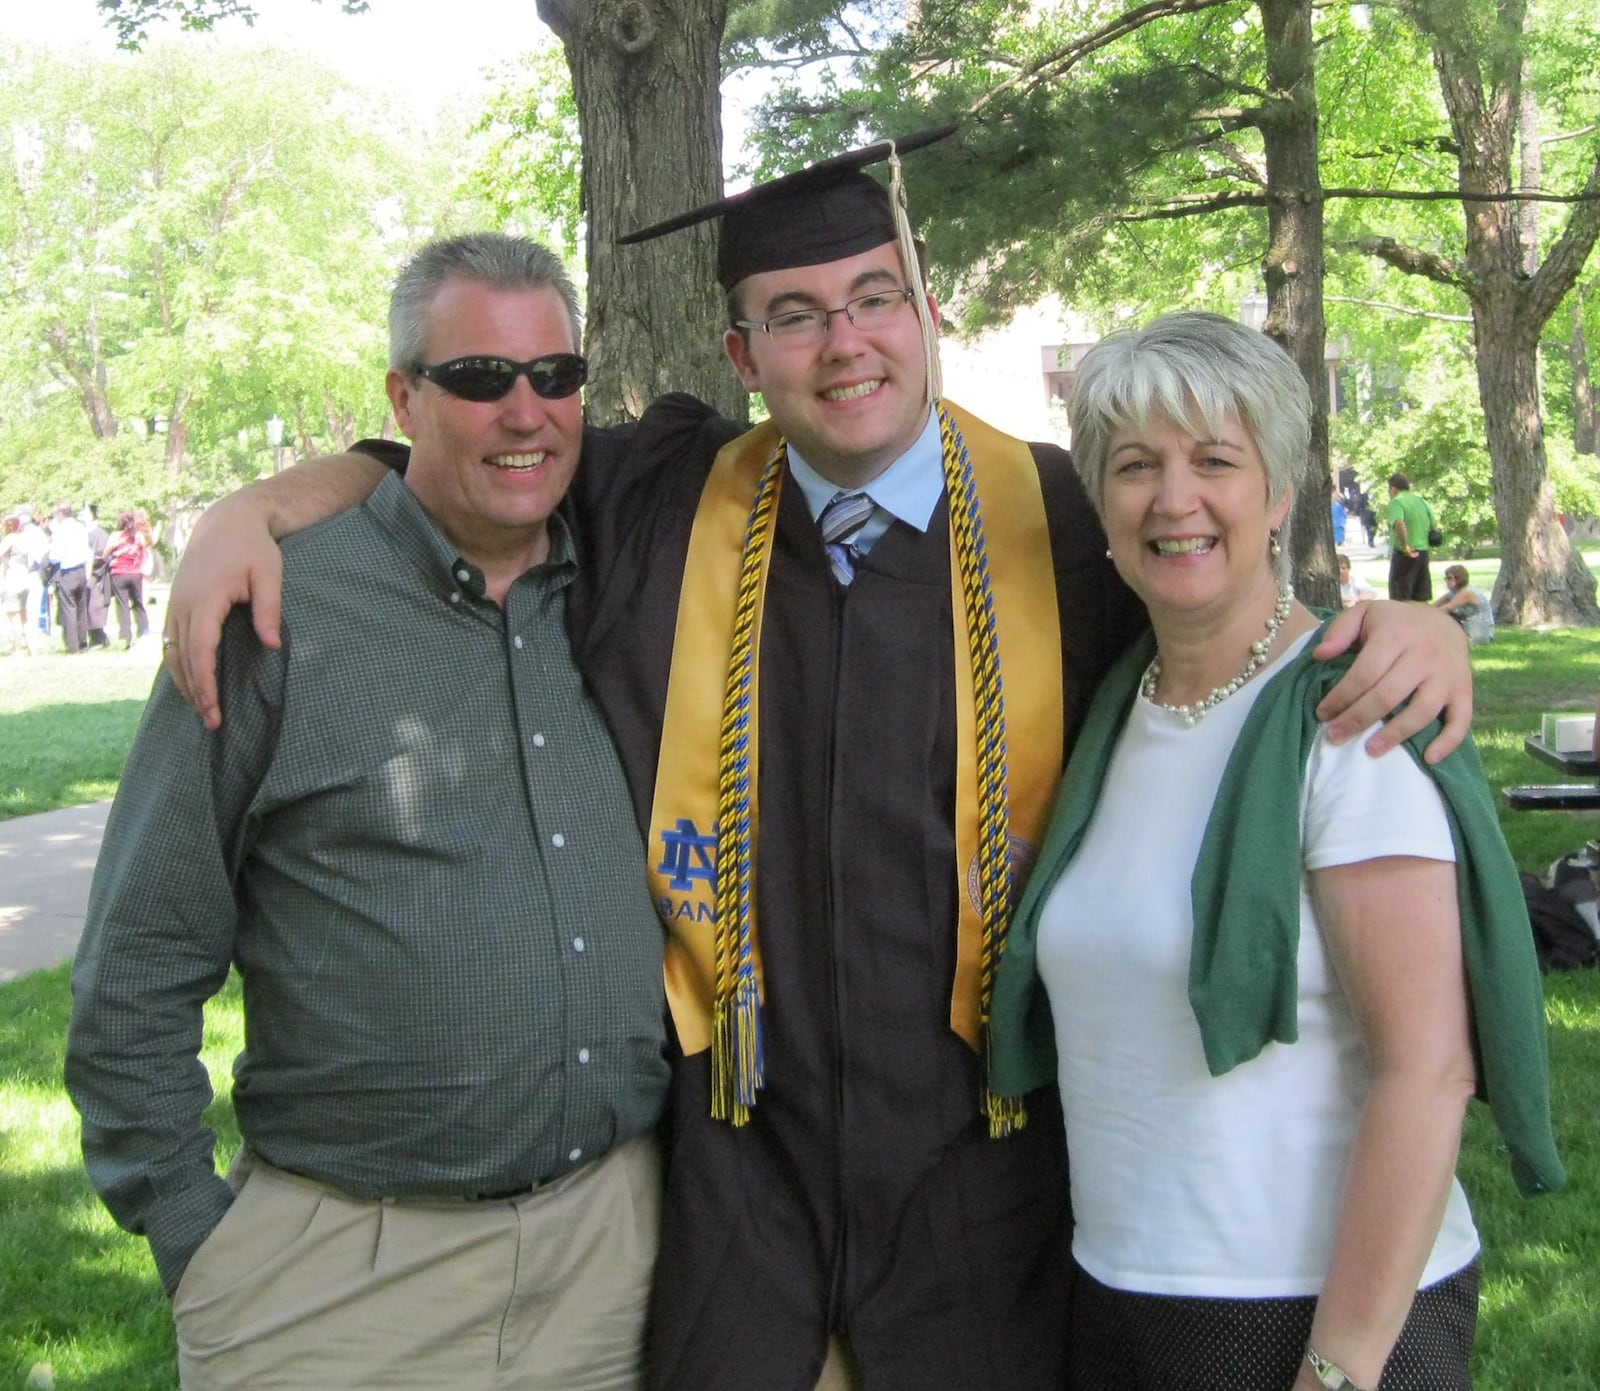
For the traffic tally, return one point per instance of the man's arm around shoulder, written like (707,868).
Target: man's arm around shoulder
(233,558)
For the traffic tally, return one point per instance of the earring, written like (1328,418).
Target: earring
(1273,548)
(1108,552)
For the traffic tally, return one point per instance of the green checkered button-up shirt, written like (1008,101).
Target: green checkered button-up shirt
(413,838)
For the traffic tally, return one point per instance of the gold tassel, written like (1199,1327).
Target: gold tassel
(1006,1114)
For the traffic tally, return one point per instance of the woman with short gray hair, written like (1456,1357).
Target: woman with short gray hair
(1275,968)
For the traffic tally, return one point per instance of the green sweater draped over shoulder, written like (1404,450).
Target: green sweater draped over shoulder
(1243,979)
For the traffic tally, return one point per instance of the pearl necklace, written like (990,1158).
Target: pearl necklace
(1191,715)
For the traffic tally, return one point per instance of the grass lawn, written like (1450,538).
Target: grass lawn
(81,1296)
(1482,567)
(66,723)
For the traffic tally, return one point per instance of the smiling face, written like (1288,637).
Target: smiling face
(1188,519)
(851,402)
(490,473)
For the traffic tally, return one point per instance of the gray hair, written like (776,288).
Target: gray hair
(490,258)
(1193,370)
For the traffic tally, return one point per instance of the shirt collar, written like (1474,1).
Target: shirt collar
(399,512)
(909,489)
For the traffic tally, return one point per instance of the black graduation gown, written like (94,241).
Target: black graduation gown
(865,1195)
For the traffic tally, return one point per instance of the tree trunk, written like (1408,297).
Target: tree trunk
(339,421)
(1532,172)
(84,366)
(177,438)
(1585,418)
(1294,270)
(1543,579)
(645,75)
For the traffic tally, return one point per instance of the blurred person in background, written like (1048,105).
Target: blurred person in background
(68,561)
(1410,520)
(16,579)
(125,558)
(1469,607)
(99,595)
(1352,588)
(36,546)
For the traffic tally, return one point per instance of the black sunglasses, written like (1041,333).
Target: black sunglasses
(489,378)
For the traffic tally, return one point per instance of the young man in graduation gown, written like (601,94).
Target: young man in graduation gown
(842,655)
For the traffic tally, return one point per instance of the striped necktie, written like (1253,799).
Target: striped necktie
(841,522)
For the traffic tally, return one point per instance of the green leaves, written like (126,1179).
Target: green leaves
(194,241)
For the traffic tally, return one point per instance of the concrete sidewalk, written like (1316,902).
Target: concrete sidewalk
(46,862)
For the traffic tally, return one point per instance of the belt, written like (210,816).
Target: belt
(244,1165)
(505,1195)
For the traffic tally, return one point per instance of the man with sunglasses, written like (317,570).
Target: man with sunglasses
(809,694)
(407,839)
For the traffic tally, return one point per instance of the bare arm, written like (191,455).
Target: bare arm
(233,559)
(1455,599)
(1407,650)
(1394,935)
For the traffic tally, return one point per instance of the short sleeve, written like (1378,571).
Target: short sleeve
(1356,807)
(395,454)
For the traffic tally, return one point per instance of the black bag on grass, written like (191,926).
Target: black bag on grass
(1562,937)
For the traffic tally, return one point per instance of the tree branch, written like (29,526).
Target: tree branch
(1427,144)
(1565,260)
(1415,261)
(1068,56)
(1193,205)
(1513,195)
(1185,203)
(1398,309)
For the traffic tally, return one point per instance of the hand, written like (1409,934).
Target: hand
(1406,650)
(231,559)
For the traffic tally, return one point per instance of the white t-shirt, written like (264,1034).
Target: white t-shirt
(69,543)
(1184,1183)
(1354,590)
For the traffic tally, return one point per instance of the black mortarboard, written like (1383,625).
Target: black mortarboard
(824,212)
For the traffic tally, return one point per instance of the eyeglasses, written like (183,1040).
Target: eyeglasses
(552,376)
(865,312)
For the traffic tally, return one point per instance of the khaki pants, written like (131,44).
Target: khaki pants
(303,1289)
(839,1370)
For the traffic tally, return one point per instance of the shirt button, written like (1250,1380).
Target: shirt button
(583,1055)
(517,642)
(558,840)
(455,598)
(575,1156)
(577,944)
(538,741)
(463,575)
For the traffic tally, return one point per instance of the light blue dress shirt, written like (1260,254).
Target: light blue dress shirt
(908,490)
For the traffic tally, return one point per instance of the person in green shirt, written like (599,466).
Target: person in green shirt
(413,839)
(1410,520)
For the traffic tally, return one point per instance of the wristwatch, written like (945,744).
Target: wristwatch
(1330,1374)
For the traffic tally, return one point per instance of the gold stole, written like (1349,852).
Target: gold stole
(704,818)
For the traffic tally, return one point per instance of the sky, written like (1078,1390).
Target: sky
(435,48)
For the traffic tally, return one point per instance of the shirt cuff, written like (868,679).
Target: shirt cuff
(177,1226)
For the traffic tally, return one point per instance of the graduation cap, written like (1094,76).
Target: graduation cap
(824,212)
